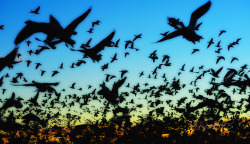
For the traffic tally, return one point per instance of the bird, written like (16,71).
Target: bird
(137,37)
(219,58)
(1,27)
(210,43)
(105,66)
(126,54)
(28,43)
(218,44)
(141,74)
(114,58)
(93,53)
(36,11)
(218,51)
(30,52)
(113,94)
(221,32)
(90,30)
(95,23)
(42,72)
(61,66)
(165,57)
(116,43)
(72,86)
(195,50)
(182,68)
(53,30)
(188,32)
(28,62)
(34,100)
(234,59)
(9,60)
(123,72)
(128,42)
(80,62)
(38,65)
(54,73)
(216,73)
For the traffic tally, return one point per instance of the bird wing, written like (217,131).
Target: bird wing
(170,36)
(198,13)
(118,84)
(71,27)
(101,45)
(218,71)
(8,59)
(37,9)
(30,29)
(11,55)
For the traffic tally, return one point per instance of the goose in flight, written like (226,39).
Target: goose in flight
(188,32)
(53,30)
(93,53)
(9,60)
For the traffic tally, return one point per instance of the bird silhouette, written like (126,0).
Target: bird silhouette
(9,60)
(219,58)
(1,27)
(114,58)
(95,23)
(137,37)
(221,32)
(93,53)
(53,29)
(195,50)
(36,11)
(189,31)
(123,72)
(113,94)
(234,59)
(216,73)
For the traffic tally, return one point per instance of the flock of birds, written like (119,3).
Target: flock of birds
(214,104)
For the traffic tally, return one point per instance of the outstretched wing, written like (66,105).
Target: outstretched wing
(30,29)
(118,84)
(71,27)
(37,9)
(8,59)
(101,45)
(30,84)
(12,55)
(198,13)
(170,36)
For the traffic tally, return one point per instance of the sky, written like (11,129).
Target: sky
(127,18)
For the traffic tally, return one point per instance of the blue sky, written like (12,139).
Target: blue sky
(128,18)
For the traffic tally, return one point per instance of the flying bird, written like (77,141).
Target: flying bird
(210,43)
(1,27)
(36,11)
(221,32)
(219,58)
(137,37)
(123,72)
(93,53)
(194,51)
(188,32)
(53,30)
(234,59)
(216,73)
(95,23)
(9,60)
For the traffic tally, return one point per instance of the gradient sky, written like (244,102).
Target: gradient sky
(128,18)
